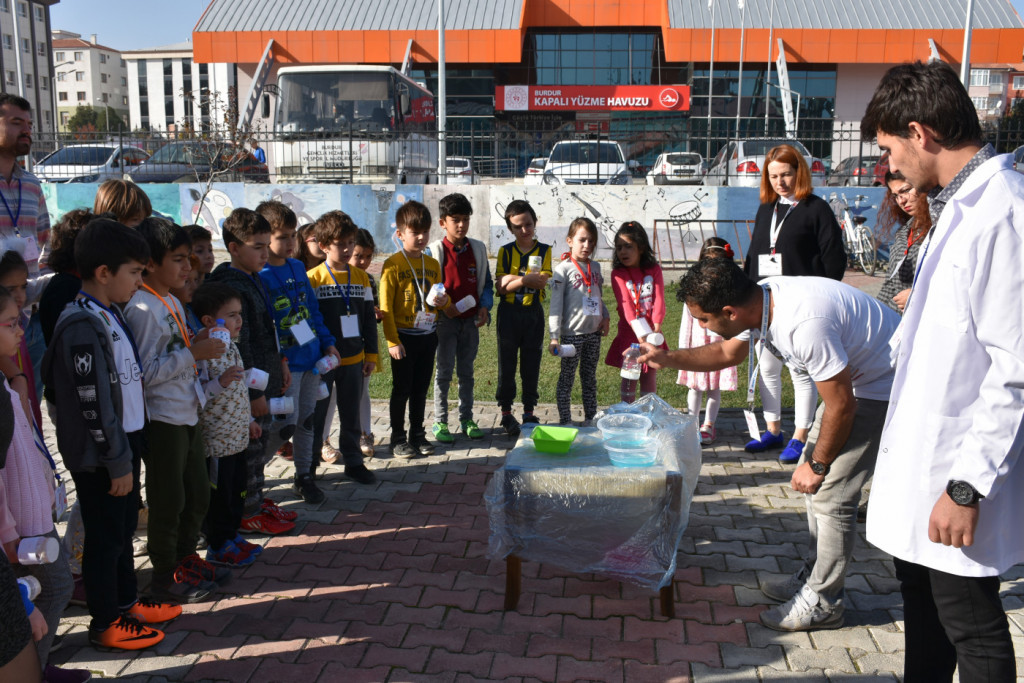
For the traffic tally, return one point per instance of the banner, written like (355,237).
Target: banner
(583,98)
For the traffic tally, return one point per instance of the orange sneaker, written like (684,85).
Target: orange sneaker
(271,508)
(126,634)
(149,612)
(264,523)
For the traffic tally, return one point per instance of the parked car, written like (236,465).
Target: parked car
(182,161)
(739,162)
(859,171)
(586,162)
(881,168)
(92,163)
(677,168)
(535,171)
(460,172)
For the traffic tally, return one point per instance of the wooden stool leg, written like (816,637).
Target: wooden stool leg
(513,581)
(668,602)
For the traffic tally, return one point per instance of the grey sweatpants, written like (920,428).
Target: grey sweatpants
(56,587)
(457,342)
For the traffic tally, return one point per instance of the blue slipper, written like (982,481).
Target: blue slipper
(791,453)
(767,440)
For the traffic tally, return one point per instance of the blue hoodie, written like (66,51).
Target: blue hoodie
(293,300)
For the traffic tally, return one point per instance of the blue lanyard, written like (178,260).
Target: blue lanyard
(37,436)
(124,328)
(14,216)
(343,290)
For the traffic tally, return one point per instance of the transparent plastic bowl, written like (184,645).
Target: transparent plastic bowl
(624,427)
(632,453)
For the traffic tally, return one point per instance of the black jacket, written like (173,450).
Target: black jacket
(810,241)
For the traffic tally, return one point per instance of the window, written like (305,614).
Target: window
(58,56)
(995,78)
(44,82)
(28,80)
(39,14)
(103,78)
(103,58)
(5,6)
(124,64)
(26,46)
(1018,82)
(105,97)
(62,76)
(124,100)
(78,56)
(79,76)
(8,42)
(41,49)
(10,78)
(64,118)
(124,81)
(979,76)
(81,96)
(62,97)
(980,102)
(22,9)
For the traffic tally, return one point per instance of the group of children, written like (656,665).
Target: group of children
(201,373)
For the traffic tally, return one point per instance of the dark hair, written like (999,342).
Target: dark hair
(455,204)
(198,233)
(333,226)
(891,215)
(10,262)
(123,198)
(584,223)
(5,297)
(714,245)
(413,215)
(278,214)
(635,233)
(19,102)
(518,207)
(364,239)
(242,225)
(715,283)
(163,237)
(786,154)
(210,297)
(305,255)
(62,239)
(105,242)
(930,94)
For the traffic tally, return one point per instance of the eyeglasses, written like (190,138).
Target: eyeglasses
(11,325)
(904,193)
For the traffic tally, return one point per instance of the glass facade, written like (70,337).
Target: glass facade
(593,58)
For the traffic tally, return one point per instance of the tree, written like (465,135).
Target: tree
(84,119)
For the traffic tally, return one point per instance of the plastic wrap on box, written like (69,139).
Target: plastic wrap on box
(579,512)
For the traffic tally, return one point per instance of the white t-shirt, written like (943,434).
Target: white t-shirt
(133,399)
(821,326)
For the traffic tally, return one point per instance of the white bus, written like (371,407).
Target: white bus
(358,124)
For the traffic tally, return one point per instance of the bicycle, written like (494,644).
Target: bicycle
(858,238)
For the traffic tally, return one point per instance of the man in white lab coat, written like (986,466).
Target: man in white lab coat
(946,500)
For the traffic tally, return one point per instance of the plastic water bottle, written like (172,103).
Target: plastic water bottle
(630,374)
(218,331)
(564,350)
(30,586)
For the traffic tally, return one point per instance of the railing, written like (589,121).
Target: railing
(678,240)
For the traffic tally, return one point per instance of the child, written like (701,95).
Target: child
(409,327)
(346,300)
(177,482)
(520,326)
(14,277)
(227,429)
(125,200)
(202,248)
(185,292)
(309,251)
(304,339)
(465,273)
(247,238)
(64,285)
(639,296)
(578,317)
(362,256)
(94,376)
(692,335)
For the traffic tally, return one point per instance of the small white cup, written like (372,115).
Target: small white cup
(467,302)
(435,293)
(282,405)
(641,328)
(656,338)
(38,550)
(256,379)
(534,264)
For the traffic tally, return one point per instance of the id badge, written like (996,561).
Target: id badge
(200,392)
(591,305)
(425,320)
(31,249)
(769,265)
(60,501)
(752,425)
(349,326)
(302,332)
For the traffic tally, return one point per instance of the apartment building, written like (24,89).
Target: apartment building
(89,74)
(26,66)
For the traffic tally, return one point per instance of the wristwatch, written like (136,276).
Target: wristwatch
(819,468)
(962,493)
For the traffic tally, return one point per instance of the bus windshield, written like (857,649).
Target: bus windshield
(334,101)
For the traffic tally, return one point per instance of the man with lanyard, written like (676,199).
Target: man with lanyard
(24,220)
(946,494)
(839,336)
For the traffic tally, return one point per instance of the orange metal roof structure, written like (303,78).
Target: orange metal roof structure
(492,46)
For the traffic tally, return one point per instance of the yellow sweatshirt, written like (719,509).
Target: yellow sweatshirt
(399,296)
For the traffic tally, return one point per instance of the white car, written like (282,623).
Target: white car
(91,163)
(586,162)
(677,168)
(460,172)
(739,163)
(535,171)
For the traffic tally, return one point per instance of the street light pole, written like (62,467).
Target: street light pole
(965,61)
(711,72)
(739,87)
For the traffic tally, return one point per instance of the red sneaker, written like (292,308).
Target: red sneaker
(265,524)
(271,508)
(148,612)
(285,451)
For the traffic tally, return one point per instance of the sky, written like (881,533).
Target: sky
(138,24)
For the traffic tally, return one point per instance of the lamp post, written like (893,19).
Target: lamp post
(711,72)
(739,87)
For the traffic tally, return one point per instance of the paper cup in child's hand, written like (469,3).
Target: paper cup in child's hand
(465,303)
(256,379)
(282,405)
(641,328)
(534,264)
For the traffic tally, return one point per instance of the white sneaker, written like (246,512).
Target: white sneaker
(366,445)
(781,591)
(805,611)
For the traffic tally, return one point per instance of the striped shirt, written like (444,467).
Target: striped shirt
(24,220)
(511,261)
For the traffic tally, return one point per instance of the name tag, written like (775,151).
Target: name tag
(302,333)
(425,320)
(31,249)
(200,392)
(60,501)
(752,426)
(349,326)
(769,265)
(591,305)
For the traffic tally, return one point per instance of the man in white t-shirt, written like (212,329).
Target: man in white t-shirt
(840,337)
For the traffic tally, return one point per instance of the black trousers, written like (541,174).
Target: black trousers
(410,382)
(227,496)
(346,382)
(108,567)
(520,333)
(954,621)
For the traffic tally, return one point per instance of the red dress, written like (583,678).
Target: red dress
(639,293)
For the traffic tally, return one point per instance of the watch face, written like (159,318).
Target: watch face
(817,467)
(962,493)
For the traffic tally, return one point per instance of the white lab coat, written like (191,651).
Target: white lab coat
(957,400)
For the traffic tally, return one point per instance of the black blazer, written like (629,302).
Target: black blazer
(810,240)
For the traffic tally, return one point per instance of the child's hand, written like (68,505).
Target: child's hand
(38,623)
(442,301)
(536,280)
(605,324)
(553,346)
(207,349)
(656,327)
(397,352)
(232,374)
(368,367)
(483,316)
(121,486)
(259,407)
(255,431)
(286,375)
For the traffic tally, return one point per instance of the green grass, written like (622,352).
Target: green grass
(486,367)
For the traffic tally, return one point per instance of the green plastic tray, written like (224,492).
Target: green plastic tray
(548,439)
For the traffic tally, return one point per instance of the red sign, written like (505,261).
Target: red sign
(582,98)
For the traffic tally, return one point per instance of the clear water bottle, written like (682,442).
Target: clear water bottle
(630,374)
(218,331)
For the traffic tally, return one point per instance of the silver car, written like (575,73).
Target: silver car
(92,163)
(460,172)
(740,162)
(677,168)
(535,171)
(586,162)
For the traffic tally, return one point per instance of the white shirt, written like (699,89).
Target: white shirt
(133,400)
(957,402)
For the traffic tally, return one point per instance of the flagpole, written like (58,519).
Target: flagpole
(739,87)
(711,72)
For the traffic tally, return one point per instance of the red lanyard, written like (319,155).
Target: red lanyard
(586,278)
(174,313)
(637,288)
(910,243)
